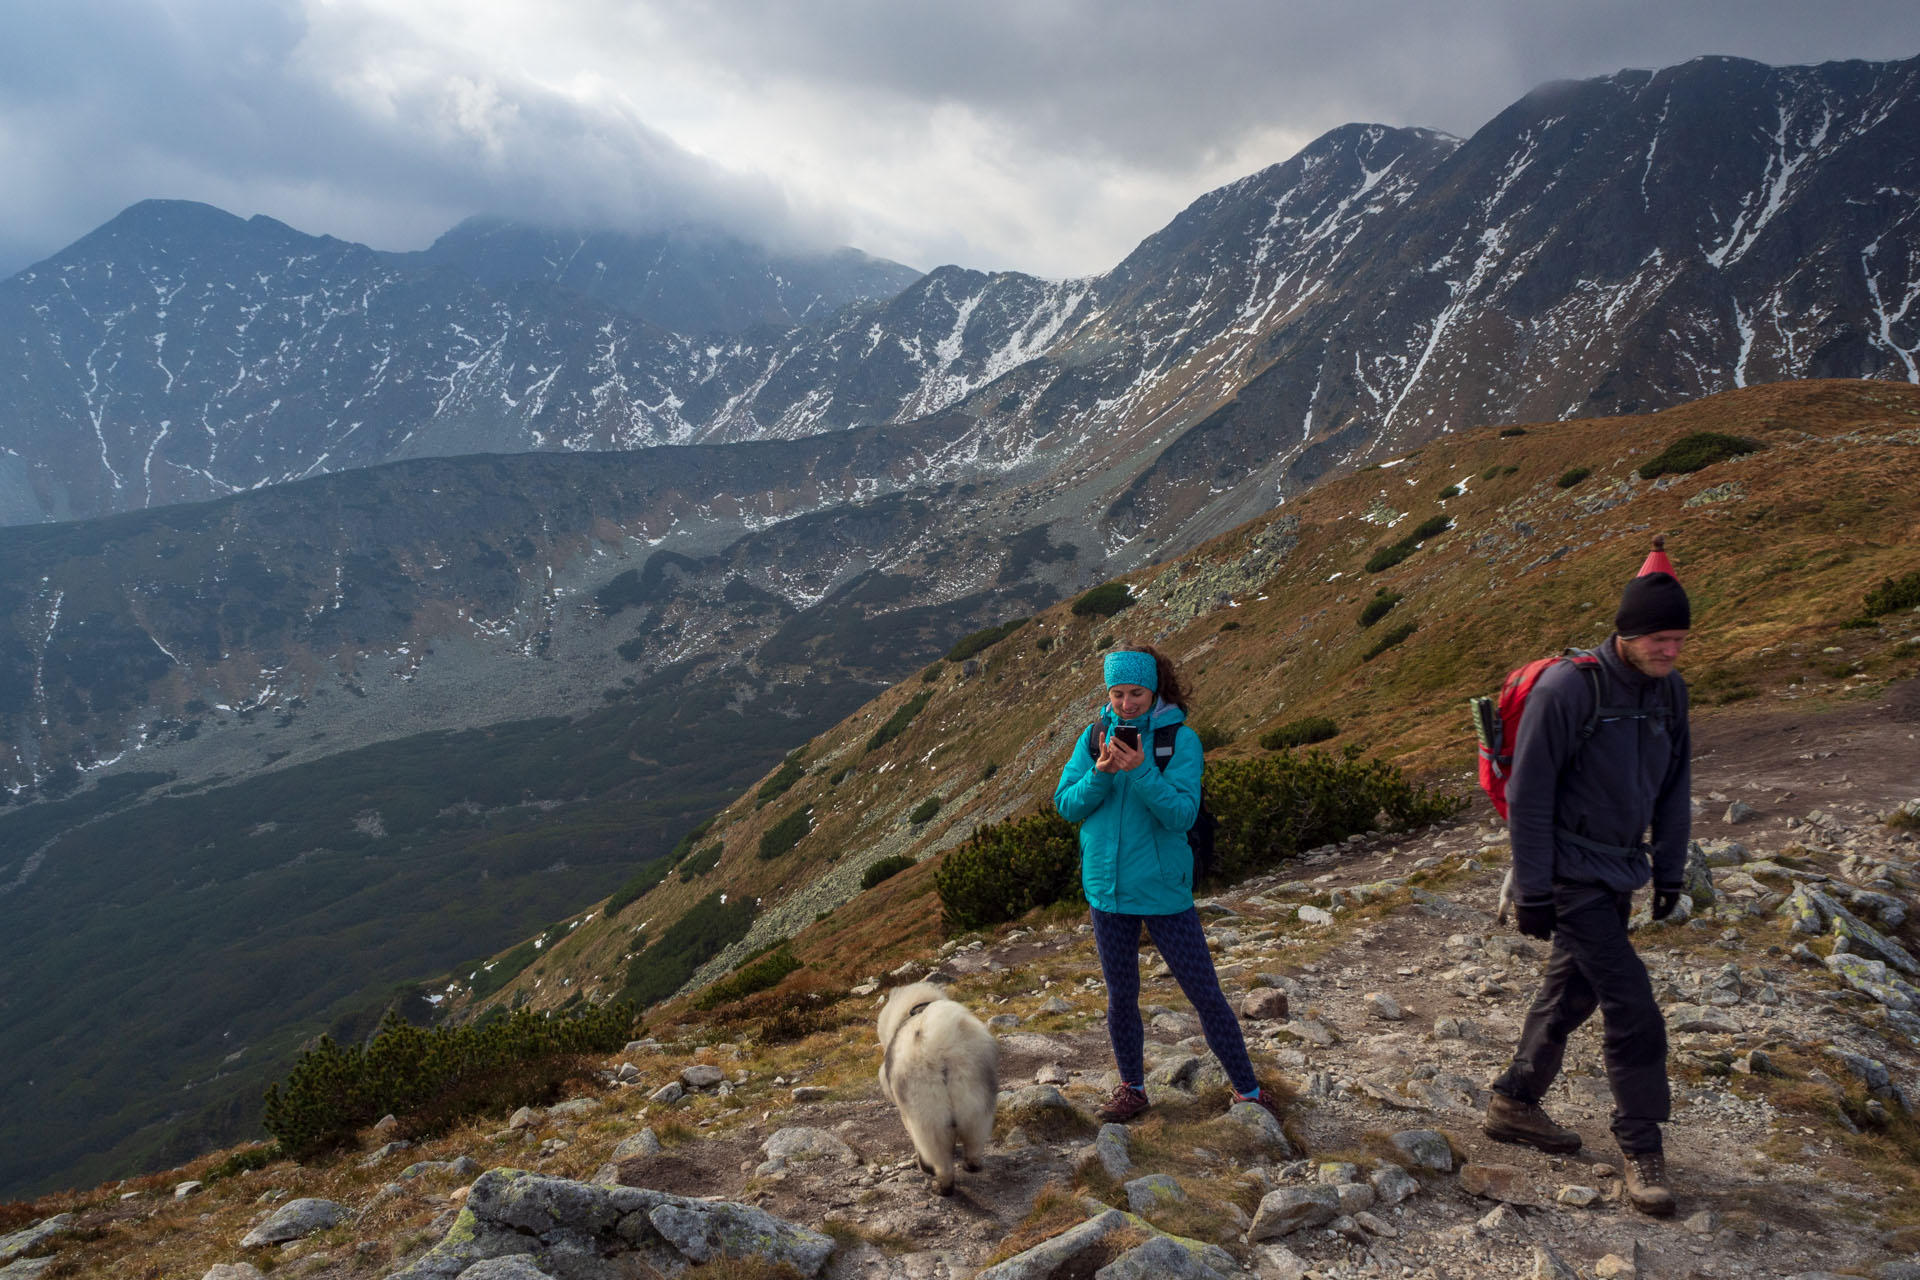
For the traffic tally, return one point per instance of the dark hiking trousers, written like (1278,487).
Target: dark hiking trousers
(1183,945)
(1595,966)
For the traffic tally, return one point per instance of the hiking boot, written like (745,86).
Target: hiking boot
(1646,1178)
(1126,1103)
(1264,1098)
(1511,1120)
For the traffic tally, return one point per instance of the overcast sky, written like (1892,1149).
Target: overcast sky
(1046,136)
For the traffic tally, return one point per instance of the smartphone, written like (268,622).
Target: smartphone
(1127,736)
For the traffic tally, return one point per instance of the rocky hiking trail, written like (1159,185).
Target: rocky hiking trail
(1376,988)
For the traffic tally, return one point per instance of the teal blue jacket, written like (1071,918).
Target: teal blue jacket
(1134,856)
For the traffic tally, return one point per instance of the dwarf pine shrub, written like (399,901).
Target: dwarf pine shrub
(1451,491)
(1006,869)
(1387,557)
(1378,607)
(885,869)
(1273,807)
(1103,601)
(897,722)
(1893,595)
(791,770)
(1693,452)
(701,862)
(1387,641)
(986,638)
(411,1072)
(1299,733)
(637,884)
(1507,432)
(786,833)
(924,811)
(757,974)
(1572,477)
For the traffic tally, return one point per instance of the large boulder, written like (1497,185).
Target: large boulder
(294,1220)
(583,1231)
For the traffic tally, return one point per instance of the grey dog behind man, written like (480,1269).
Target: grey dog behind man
(942,1070)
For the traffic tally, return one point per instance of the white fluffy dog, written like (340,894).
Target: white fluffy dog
(942,1070)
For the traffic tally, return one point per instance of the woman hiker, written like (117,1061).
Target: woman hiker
(1136,868)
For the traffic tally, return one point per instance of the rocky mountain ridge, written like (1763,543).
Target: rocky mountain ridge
(1614,245)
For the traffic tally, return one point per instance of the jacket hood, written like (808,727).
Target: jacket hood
(1161,714)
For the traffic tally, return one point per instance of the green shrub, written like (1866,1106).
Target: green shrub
(1893,595)
(256,1156)
(1451,491)
(791,770)
(989,771)
(684,845)
(1387,557)
(897,723)
(931,674)
(411,1072)
(1273,807)
(702,862)
(484,980)
(840,775)
(1512,431)
(1212,736)
(1490,472)
(709,927)
(1570,478)
(1692,452)
(1379,607)
(637,884)
(1231,624)
(1103,601)
(1387,641)
(885,869)
(1299,733)
(924,811)
(1043,644)
(1429,528)
(1507,471)
(757,974)
(786,833)
(969,645)
(1007,869)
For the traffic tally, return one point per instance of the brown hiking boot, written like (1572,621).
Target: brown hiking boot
(1511,1120)
(1126,1103)
(1646,1178)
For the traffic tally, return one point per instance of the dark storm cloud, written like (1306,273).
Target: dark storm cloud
(1040,134)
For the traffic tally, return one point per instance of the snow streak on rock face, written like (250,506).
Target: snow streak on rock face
(1613,245)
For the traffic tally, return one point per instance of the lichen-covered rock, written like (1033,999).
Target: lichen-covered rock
(798,1143)
(1874,978)
(1110,1149)
(1393,1185)
(12,1246)
(1262,1124)
(643,1143)
(1047,1256)
(1165,1258)
(1291,1209)
(294,1220)
(583,1231)
(1043,1111)
(1426,1148)
(1154,1191)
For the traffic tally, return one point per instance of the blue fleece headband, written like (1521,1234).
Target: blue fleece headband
(1130,666)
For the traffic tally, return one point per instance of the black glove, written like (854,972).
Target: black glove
(1664,901)
(1535,919)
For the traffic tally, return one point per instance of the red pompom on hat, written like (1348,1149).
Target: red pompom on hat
(1657,561)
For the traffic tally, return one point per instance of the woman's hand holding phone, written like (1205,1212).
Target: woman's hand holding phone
(1120,753)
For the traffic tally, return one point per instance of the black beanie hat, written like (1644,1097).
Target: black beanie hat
(1653,602)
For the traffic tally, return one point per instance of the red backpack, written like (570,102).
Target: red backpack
(1497,724)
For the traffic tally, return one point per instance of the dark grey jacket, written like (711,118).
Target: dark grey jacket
(1632,774)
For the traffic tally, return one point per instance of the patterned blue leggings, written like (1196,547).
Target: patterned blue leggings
(1184,947)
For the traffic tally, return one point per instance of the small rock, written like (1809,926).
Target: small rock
(1291,1208)
(1110,1149)
(1502,1221)
(1703,1223)
(1392,1184)
(701,1075)
(1426,1148)
(525,1118)
(1054,1004)
(1740,811)
(667,1094)
(1334,1172)
(811,1093)
(1577,1196)
(1277,1262)
(1504,1182)
(1154,1191)
(1355,1196)
(1315,916)
(1548,1265)
(233,1271)
(1375,1226)
(1267,1004)
(1615,1267)
(191,1187)
(643,1143)
(1383,1006)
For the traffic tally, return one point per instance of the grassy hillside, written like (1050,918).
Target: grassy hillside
(1777,547)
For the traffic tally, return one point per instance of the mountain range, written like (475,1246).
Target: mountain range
(482,544)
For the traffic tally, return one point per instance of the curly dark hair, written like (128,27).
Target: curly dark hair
(1172,690)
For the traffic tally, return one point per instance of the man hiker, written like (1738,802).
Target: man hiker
(1589,780)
